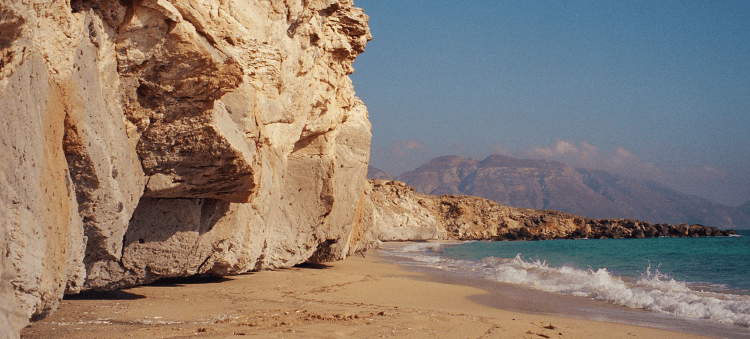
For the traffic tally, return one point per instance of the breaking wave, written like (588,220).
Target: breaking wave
(652,291)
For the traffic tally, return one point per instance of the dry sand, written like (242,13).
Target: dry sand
(358,297)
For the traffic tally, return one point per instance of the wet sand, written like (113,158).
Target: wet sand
(359,297)
(516,298)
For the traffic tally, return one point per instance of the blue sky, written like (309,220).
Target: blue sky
(655,90)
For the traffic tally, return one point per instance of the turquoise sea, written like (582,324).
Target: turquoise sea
(690,278)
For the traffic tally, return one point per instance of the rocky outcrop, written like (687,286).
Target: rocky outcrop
(160,138)
(476,218)
(541,184)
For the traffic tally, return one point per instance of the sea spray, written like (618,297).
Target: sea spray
(653,290)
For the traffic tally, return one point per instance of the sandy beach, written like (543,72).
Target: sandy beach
(358,297)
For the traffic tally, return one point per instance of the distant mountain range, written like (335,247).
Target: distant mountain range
(552,185)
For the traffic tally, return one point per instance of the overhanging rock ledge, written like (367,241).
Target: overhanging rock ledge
(161,138)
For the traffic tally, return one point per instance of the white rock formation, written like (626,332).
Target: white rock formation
(399,213)
(160,138)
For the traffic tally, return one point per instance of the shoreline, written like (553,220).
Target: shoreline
(358,297)
(516,298)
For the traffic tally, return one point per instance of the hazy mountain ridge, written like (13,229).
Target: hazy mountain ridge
(374,173)
(653,201)
(541,184)
(745,208)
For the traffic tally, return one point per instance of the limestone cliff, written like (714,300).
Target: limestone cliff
(153,138)
(400,213)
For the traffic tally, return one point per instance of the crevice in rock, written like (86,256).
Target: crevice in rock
(261,261)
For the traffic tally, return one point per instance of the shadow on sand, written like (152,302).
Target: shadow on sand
(313,266)
(103,295)
(195,279)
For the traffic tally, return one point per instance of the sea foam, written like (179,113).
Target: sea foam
(653,291)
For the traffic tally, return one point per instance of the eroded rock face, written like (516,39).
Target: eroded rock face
(162,138)
(43,245)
